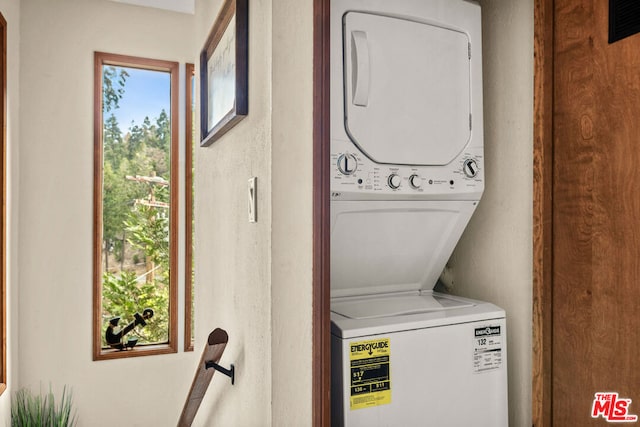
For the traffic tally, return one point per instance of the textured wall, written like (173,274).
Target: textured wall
(55,231)
(233,256)
(292,211)
(493,261)
(11,11)
(255,279)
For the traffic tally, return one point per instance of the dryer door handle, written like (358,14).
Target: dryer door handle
(360,68)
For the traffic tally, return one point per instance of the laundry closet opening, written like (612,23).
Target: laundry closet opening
(401,137)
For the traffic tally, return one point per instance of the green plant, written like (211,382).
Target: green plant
(125,295)
(28,410)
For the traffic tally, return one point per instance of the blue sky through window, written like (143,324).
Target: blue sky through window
(146,93)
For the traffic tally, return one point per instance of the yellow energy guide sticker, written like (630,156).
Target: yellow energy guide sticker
(370,373)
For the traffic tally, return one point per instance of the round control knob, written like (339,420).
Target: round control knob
(394,181)
(414,181)
(347,163)
(470,168)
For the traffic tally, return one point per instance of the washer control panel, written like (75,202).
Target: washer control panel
(355,176)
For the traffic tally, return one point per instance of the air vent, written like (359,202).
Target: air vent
(624,19)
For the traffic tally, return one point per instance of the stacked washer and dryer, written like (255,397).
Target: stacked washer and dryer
(407,153)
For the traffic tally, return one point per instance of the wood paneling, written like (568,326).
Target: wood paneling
(542,209)
(594,257)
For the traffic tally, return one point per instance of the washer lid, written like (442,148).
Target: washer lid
(400,304)
(406,89)
(393,246)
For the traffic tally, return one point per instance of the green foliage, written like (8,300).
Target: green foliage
(126,294)
(114,149)
(41,410)
(113,82)
(118,199)
(135,215)
(149,232)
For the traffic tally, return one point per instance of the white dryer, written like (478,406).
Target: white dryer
(408,172)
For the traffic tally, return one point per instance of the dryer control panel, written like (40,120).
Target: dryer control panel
(356,177)
(406,100)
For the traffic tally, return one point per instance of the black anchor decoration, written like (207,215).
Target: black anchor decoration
(116,339)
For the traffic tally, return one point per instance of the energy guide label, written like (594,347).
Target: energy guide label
(370,373)
(487,348)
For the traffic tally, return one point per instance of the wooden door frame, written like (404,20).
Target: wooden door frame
(542,213)
(3,211)
(321,329)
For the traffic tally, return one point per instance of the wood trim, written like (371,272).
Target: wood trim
(188,205)
(142,63)
(97,204)
(100,59)
(542,214)
(174,200)
(3,213)
(321,381)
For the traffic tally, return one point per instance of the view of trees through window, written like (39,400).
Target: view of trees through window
(136,153)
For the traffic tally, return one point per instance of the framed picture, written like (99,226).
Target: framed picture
(224,72)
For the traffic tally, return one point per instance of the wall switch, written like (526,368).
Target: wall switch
(253,199)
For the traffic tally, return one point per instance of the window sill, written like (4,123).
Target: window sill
(143,350)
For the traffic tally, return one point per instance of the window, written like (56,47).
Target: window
(135,206)
(189,198)
(3,227)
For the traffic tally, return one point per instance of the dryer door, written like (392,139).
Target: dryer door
(406,89)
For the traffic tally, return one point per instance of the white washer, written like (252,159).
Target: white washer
(443,366)
(407,150)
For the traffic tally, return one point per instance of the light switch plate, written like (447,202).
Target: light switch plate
(253,199)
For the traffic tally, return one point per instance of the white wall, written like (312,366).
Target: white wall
(292,174)
(493,261)
(11,11)
(233,256)
(55,231)
(254,280)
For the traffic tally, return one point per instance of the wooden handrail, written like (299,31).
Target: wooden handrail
(211,354)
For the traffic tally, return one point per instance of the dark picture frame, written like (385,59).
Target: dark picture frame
(224,99)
